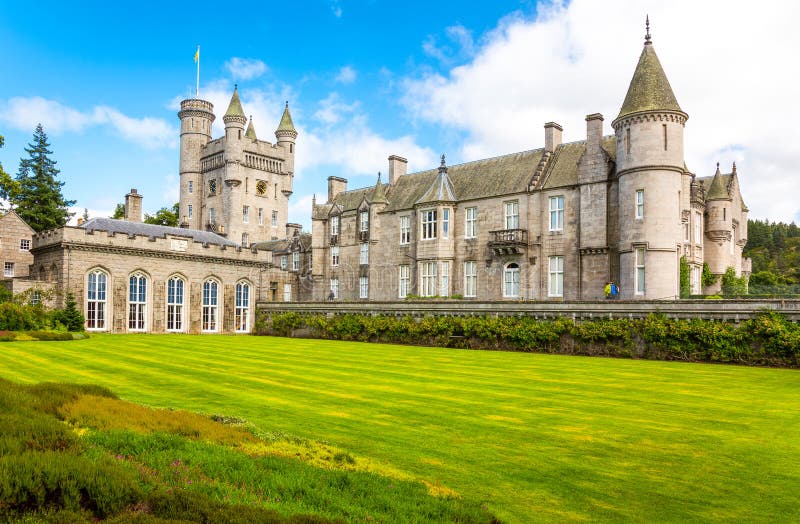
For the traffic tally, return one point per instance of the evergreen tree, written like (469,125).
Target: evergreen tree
(70,317)
(85,215)
(119,212)
(35,194)
(5,178)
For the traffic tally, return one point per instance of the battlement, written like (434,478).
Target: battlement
(195,104)
(168,243)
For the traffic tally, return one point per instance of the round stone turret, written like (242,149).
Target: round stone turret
(196,117)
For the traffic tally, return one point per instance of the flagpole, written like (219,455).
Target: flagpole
(197,87)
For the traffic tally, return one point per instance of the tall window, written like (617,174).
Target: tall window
(428,224)
(511,280)
(405,229)
(471,222)
(96,300)
(628,141)
(137,302)
(470,278)
(175,286)
(335,287)
(191,186)
(363,253)
(695,280)
(242,313)
(733,240)
(260,216)
(363,287)
(274,219)
(334,226)
(245,240)
(245,214)
(212,216)
(555,285)
(364,221)
(686,237)
(445,223)
(284,262)
(25,244)
(639,253)
(334,255)
(665,136)
(428,279)
(287,292)
(512,215)
(698,227)
(640,203)
(444,280)
(556,213)
(189,211)
(210,306)
(8,269)
(295,261)
(405,281)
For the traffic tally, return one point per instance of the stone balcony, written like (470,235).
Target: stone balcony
(508,241)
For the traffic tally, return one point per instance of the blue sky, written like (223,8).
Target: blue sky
(366,80)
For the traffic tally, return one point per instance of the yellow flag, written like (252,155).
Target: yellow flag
(197,54)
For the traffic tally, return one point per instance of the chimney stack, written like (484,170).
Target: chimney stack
(292,230)
(336,185)
(552,136)
(594,131)
(398,166)
(133,206)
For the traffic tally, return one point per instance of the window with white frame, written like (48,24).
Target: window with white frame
(698,227)
(405,229)
(363,221)
(445,223)
(334,255)
(260,216)
(557,213)
(25,244)
(36,297)
(137,302)
(428,280)
(242,310)
(444,279)
(175,294)
(555,284)
(8,269)
(511,280)
(212,215)
(363,256)
(512,214)
(96,288)
(335,287)
(640,203)
(189,211)
(639,254)
(429,218)
(284,262)
(274,219)
(471,222)
(470,278)
(363,287)
(245,214)
(334,226)
(287,292)
(296,261)
(245,240)
(405,281)
(210,311)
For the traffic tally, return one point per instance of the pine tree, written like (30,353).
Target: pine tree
(36,195)
(5,178)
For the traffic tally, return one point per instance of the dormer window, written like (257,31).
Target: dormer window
(364,221)
(334,226)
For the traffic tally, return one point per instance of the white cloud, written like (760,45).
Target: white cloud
(245,68)
(461,45)
(336,8)
(347,75)
(300,210)
(24,113)
(727,62)
(332,110)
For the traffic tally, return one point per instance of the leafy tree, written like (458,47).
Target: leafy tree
(164,216)
(707,278)
(70,317)
(119,212)
(35,193)
(733,285)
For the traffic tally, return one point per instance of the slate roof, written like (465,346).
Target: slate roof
(717,188)
(284,245)
(286,121)
(251,131)
(441,190)
(139,228)
(235,107)
(649,89)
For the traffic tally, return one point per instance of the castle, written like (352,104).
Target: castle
(554,223)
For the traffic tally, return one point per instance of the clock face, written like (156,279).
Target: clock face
(261,187)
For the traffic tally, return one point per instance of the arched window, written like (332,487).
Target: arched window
(137,302)
(511,280)
(210,306)
(96,300)
(175,294)
(242,307)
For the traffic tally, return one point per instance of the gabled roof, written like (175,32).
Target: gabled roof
(563,168)
(151,230)
(12,215)
(351,200)
(285,245)
(649,89)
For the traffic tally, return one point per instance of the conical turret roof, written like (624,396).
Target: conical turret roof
(235,107)
(379,193)
(286,121)
(251,131)
(649,89)
(718,189)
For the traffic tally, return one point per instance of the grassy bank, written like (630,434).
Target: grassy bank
(535,437)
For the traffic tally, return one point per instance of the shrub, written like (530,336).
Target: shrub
(69,317)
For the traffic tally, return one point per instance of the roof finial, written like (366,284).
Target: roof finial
(379,177)
(734,167)
(443,163)
(235,87)
(647,36)
(287,104)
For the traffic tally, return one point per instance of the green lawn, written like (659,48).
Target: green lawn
(536,437)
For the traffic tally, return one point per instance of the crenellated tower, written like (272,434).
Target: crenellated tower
(650,168)
(196,118)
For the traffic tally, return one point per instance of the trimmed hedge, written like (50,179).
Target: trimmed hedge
(769,339)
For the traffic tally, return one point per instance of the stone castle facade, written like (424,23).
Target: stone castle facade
(554,223)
